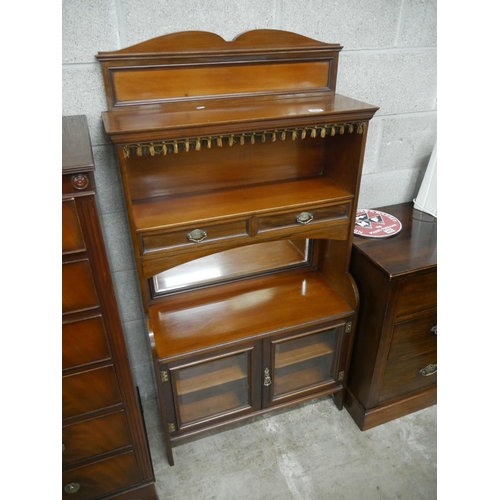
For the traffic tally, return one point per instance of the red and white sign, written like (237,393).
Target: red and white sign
(375,224)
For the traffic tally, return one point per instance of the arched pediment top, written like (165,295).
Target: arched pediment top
(189,42)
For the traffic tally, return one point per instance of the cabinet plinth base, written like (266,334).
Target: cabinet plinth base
(367,419)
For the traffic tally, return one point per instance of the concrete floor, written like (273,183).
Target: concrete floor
(307,452)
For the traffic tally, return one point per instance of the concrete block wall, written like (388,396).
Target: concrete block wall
(389,60)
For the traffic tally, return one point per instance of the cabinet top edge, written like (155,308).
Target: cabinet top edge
(240,114)
(77,155)
(412,251)
(195,43)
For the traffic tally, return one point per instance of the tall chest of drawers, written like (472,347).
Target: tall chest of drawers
(105,452)
(394,363)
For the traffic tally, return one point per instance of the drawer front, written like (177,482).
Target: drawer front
(301,218)
(90,390)
(100,478)
(406,375)
(78,288)
(194,236)
(84,342)
(95,436)
(72,235)
(417,294)
(415,336)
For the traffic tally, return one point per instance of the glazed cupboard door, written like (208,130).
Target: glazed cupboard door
(302,364)
(210,388)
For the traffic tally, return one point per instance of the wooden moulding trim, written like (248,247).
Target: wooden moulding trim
(204,42)
(188,144)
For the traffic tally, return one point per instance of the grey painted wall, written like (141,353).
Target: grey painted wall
(389,60)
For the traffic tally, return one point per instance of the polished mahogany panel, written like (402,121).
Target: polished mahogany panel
(182,82)
(417,294)
(100,478)
(414,336)
(78,287)
(84,341)
(72,236)
(213,168)
(95,436)
(89,390)
(405,375)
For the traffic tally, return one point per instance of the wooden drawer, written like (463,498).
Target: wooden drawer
(84,342)
(78,288)
(97,479)
(95,436)
(194,236)
(72,236)
(404,376)
(417,294)
(300,218)
(89,390)
(413,337)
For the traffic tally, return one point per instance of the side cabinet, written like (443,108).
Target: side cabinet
(394,363)
(105,451)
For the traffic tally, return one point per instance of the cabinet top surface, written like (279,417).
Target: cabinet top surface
(76,146)
(240,114)
(413,249)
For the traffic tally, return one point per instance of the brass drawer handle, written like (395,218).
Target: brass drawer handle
(72,488)
(428,370)
(434,329)
(304,218)
(197,235)
(267,378)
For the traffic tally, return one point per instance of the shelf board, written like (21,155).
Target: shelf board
(210,379)
(199,319)
(308,377)
(209,207)
(212,406)
(305,353)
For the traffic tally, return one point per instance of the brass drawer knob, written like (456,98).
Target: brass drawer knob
(71,488)
(304,218)
(428,370)
(197,235)
(267,378)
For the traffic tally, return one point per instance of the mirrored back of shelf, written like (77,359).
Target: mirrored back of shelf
(235,264)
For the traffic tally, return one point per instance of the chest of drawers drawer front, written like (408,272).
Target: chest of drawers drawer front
(418,293)
(84,342)
(194,236)
(97,479)
(413,337)
(301,218)
(405,375)
(89,390)
(78,287)
(95,436)
(72,236)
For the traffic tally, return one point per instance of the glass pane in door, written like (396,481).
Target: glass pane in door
(304,362)
(214,387)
